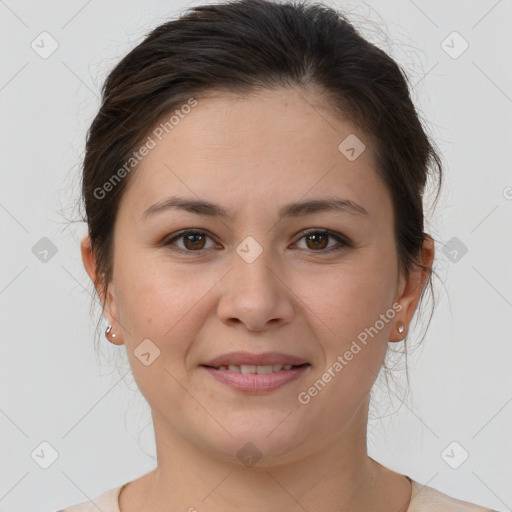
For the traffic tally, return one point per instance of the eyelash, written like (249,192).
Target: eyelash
(339,238)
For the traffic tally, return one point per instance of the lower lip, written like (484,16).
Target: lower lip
(255,383)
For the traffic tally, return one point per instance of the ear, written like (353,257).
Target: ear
(410,289)
(110,309)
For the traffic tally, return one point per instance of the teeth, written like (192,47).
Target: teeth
(248,368)
(258,369)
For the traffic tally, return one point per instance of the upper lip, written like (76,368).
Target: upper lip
(267,358)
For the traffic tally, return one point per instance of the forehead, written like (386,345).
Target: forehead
(263,149)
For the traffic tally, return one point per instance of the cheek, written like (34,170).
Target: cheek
(163,304)
(159,307)
(151,293)
(349,299)
(353,315)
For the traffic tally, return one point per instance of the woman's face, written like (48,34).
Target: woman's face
(254,280)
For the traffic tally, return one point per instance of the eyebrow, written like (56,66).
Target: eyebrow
(208,209)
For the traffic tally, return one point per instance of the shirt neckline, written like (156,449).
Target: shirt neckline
(118,494)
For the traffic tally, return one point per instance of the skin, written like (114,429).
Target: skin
(270,149)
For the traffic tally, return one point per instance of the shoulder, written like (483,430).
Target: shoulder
(108,501)
(428,499)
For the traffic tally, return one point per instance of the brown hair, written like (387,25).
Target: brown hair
(245,47)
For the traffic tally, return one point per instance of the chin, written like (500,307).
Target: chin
(254,446)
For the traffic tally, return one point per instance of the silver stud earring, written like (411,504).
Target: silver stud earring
(401,328)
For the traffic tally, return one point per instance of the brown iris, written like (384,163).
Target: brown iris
(315,238)
(190,241)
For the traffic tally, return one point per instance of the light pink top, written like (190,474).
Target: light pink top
(424,499)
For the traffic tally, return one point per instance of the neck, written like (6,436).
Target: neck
(338,476)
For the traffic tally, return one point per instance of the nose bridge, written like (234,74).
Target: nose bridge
(252,269)
(254,294)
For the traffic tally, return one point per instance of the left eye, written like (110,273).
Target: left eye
(194,240)
(318,237)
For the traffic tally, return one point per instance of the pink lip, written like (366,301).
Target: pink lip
(254,383)
(239,358)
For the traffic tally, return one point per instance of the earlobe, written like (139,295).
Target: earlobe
(412,290)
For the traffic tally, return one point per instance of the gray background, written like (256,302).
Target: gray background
(53,387)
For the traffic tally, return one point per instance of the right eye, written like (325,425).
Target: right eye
(193,241)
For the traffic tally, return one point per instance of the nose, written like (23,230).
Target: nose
(256,295)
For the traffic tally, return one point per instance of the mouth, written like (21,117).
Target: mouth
(248,369)
(256,373)
(247,360)
(256,379)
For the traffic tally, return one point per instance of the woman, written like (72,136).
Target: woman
(253,188)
